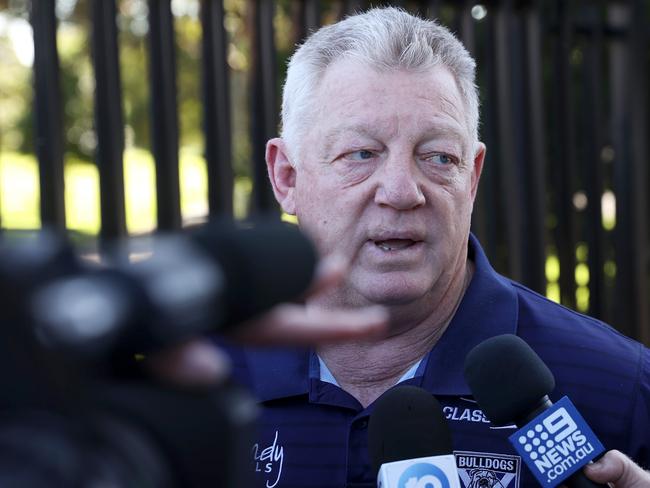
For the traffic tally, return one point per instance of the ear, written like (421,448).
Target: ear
(479,158)
(282,174)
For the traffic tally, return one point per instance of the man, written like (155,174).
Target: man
(380,161)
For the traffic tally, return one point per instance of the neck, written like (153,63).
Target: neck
(368,369)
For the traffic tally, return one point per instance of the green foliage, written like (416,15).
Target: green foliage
(20,194)
(77,86)
(15,80)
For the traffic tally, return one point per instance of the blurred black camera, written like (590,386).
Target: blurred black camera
(77,409)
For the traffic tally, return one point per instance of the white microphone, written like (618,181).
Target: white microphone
(410,442)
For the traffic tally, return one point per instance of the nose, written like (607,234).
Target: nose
(398,185)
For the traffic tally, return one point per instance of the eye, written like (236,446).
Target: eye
(361,155)
(441,159)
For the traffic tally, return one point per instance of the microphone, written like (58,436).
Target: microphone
(410,442)
(208,281)
(511,384)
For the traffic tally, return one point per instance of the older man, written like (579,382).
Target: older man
(380,161)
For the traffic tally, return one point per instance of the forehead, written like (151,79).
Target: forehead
(355,96)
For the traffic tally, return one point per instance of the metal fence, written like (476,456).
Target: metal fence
(565,107)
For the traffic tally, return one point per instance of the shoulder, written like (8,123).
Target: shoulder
(553,326)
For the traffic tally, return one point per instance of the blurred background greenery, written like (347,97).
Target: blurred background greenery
(19,188)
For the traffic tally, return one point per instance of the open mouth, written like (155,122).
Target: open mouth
(395,244)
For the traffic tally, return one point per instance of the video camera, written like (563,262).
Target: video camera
(77,408)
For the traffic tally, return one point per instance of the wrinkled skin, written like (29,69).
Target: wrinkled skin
(386,177)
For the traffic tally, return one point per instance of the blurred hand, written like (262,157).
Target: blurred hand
(618,470)
(199,363)
(305,325)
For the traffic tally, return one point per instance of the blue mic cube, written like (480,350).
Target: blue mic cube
(556,444)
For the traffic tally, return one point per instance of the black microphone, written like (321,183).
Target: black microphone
(263,265)
(409,440)
(511,384)
(208,281)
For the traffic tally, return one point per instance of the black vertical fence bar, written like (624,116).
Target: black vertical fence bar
(535,185)
(506,64)
(264,118)
(306,17)
(488,217)
(48,114)
(637,71)
(429,8)
(310,17)
(591,164)
(352,6)
(563,158)
(517,175)
(108,120)
(626,258)
(164,113)
(640,46)
(480,213)
(466,25)
(216,109)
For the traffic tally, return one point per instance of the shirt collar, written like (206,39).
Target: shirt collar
(488,308)
(319,370)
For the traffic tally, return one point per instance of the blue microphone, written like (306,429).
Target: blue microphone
(410,442)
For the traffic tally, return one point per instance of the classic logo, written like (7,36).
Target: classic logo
(268,461)
(475,415)
(488,470)
(557,443)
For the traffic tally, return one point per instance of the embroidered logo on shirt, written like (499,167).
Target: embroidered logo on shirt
(268,461)
(465,414)
(476,415)
(488,470)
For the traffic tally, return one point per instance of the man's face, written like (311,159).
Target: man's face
(386,176)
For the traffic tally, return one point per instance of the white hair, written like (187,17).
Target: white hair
(385,39)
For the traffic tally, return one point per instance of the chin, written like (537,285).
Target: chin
(394,293)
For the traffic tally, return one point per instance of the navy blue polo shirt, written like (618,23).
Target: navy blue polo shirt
(313,434)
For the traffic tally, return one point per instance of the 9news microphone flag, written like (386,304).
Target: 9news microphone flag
(555,444)
(511,384)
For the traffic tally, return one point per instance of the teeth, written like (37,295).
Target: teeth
(394,244)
